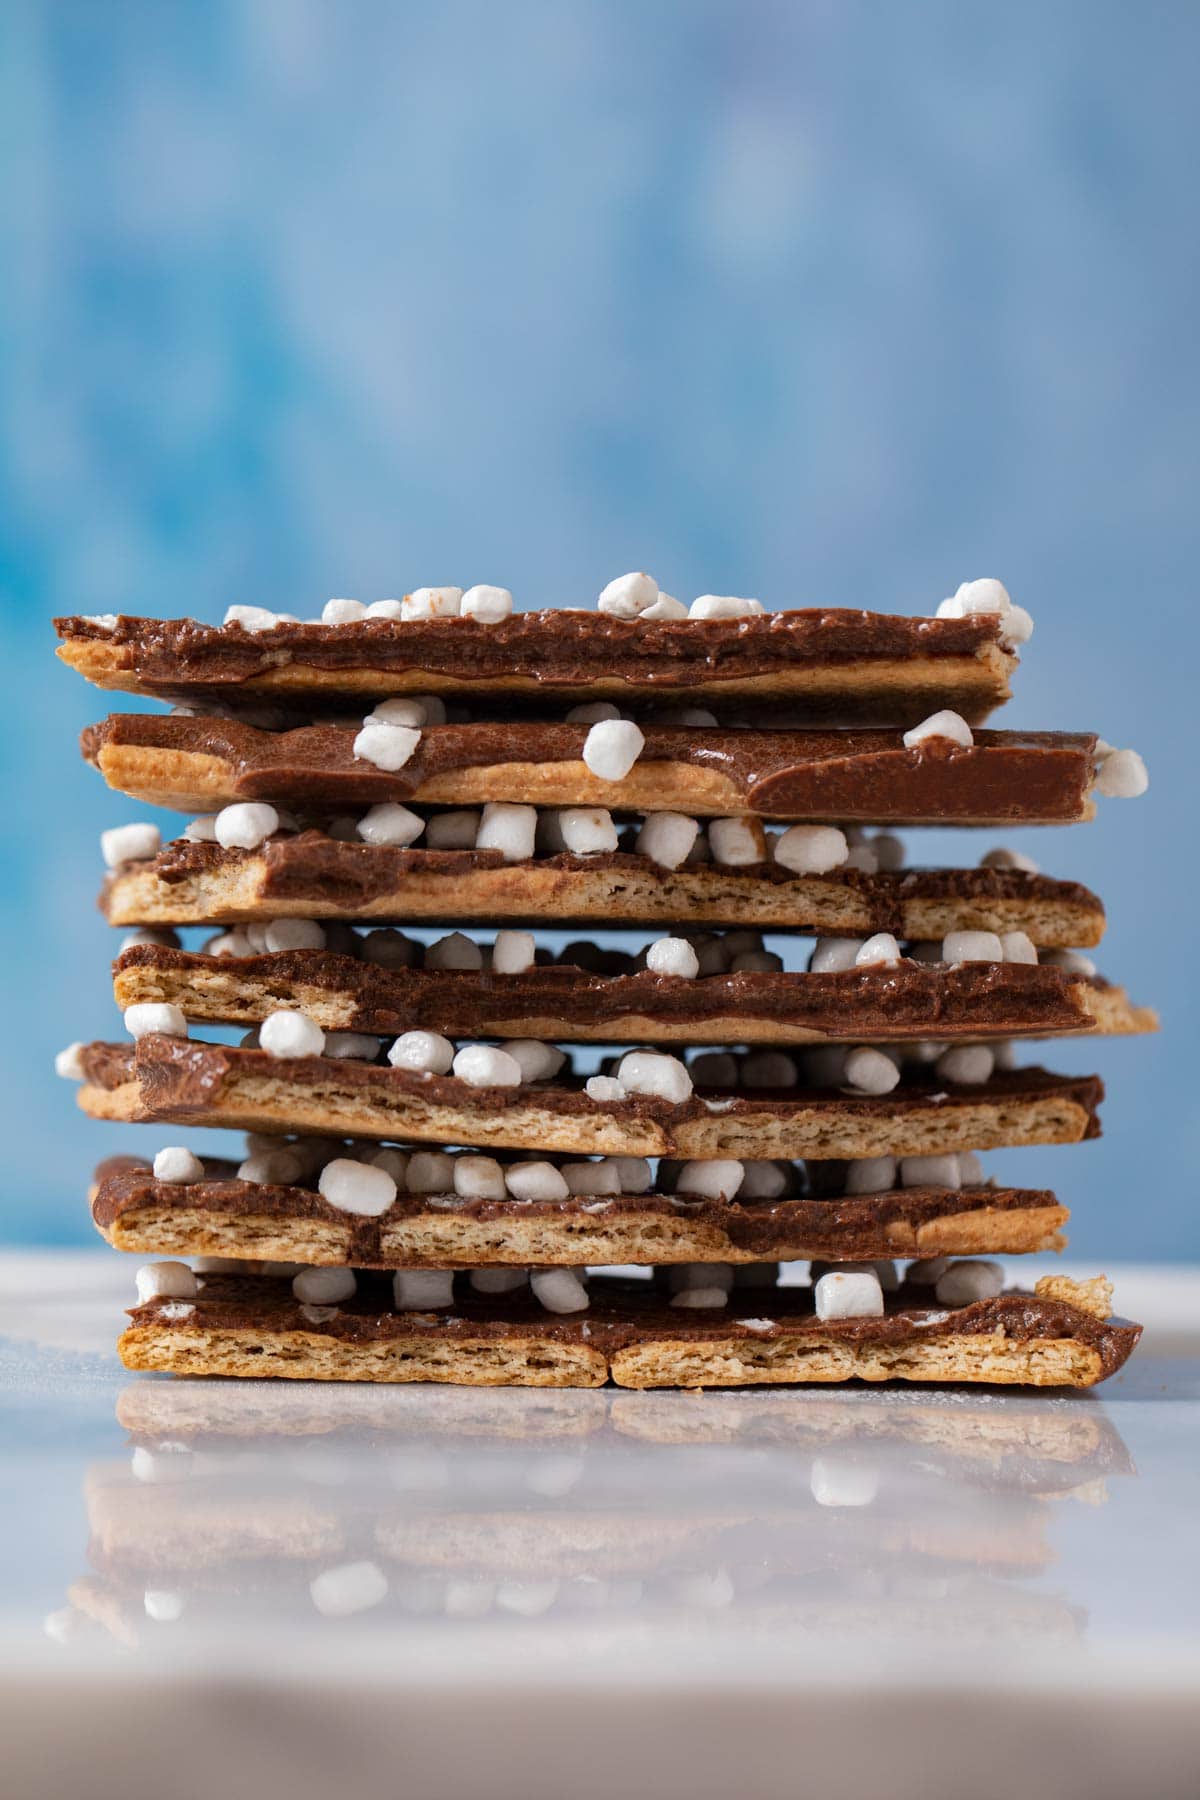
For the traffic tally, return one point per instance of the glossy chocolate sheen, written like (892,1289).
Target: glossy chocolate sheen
(823,775)
(909,999)
(625,1312)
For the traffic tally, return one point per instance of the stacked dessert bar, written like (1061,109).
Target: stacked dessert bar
(429,1175)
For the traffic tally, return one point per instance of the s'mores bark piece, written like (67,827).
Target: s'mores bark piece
(919,777)
(281,1210)
(820,663)
(898,1000)
(649,1108)
(630,1332)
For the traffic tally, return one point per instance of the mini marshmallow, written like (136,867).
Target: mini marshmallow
(963,1282)
(811,849)
(390,823)
(633,1174)
(279,1165)
(202,830)
(970,1169)
(756,962)
(628,596)
(432,603)
(245,825)
(535,1181)
(714,956)
(538,1061)
(1072,960)
(129,843)
(763,1181)
(717,1180)
(648,1072)
(587,830)
(1000,858)
(837,1481)
(681,1276)
(723,606)
(395,1162)
(324,1287)
(667,838)
(672,956)
(295,934)
(454,952)
(612,747)
(423,1051)
(69,1062)
(479,1065)
(871,1175)
(355,1187)
(972,946)
(926,1271)
(163,1605)
(102,621)
(968,1064)
(177,1164)
(342,612)
(1018,947)
(288,1034)
(385,609)
(498,1281)
(422,1289)
(700,854)
(668,607)
(256,936)
(509,829)
(350,1588)
(389,949)
(386,747)
(405,709)
(430,1172)
(593,713)
(452,830)
(165,1281)
(856,1295)
(604,1088)
(1016,627)
(832,954)
(478,1178)
(593,1178)
(487,604)
(1122,775)
(512,952)
(947,726)
(142,1020)
(880,950)
(929,1171)
(769,1069)
(889,851)
(558,1290)
(863,858)
(870,1071)
(986,595)
(251,618)
(738,843)
(700,1297)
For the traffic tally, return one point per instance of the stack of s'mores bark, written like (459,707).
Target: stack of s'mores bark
(396,814)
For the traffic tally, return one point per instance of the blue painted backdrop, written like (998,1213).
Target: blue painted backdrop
(821,302)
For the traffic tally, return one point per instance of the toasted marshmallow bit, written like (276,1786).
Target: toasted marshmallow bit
(430,1172)
(672,956)
(871,1175)
(245,825)
(1018,947)
(972,946)
(294,934)
(148,1017)
(432,603)
(612,747)
(963,1282)
(870,1071)
(390,823)
(289,1034)
(882,950)
(1000,858)
(324,1287)
(538,1061)
(592,713)
(129,843)
(633,1174)
(69,1062)
(929,1171)
(811,849)
(587,830)
(487,604)
(605,1089)
(498,1281)
(425,1052)
(535,1181)
(342,612)
(251,618)
(508,828)
(717,1180)
(737,843)
(724,606)
(478,1178)
(479,1065)
(177,1164)
(592,1178)
(628,596)
(946,727)
(927,1271)
(668,607)
(648,1072)
(667,839)
(356,1187)
(452,830)
(422,1290)
(512,952)
(165,1281)
(454,952)
(558,1290)
(966,1064)
(833,954)
(856,1294)
(1122,775)
(386,747)
(769,1069)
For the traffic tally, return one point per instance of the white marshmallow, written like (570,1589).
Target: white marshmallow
(929,1171)
(245,825)
(769,1069)
(163,1605)
(528,1599)
(538,1061)
(667,838)
(385,609)
(972,946)
(963,1282)
(612,747)
(423,1051)
(295,934)
(926,1271)
(986,595)
(628,596)
(948,726)
(717,1180)
(69,1062)
(478,1178)
(405,709)
(202,830)
(880,950)
(430,1172)
(509,829)
(856,1295)
(350,1588)
(288,1034)
(668,607)
(592,713)
(142,1020)
(970,1169)
(700,1297)
(454,952)
(452,830)
(324,1287)
(1016,628)
(587,830)
(165,1281)
(833,954)
(1018,947)
(889,1280)
(1122,775)
(604,1089)
(871,1175)
(395,1162)
(811,849)
(129,843)
(342,612)
(487,604)
(386,747)
(648,1072)
(762,1181)
(390,823)
(836,1481)
(421,1290)
(494,1280)
(870,1071)
(432,603)
(251,618)
(967,1064)
(696,715)
(715,1068)
(1000,858)
(737,843)
(863,858)
(479,1065)
(177,1164)
(279,1165)
(512,952)
(756,962)
(633,1174)
(592,1177)
(1073,960)
(723,606)
(672,956)
(558,1290)
(102,621)
(535,1181)
(356,1187)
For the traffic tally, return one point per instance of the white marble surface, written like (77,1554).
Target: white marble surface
(224,1587)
